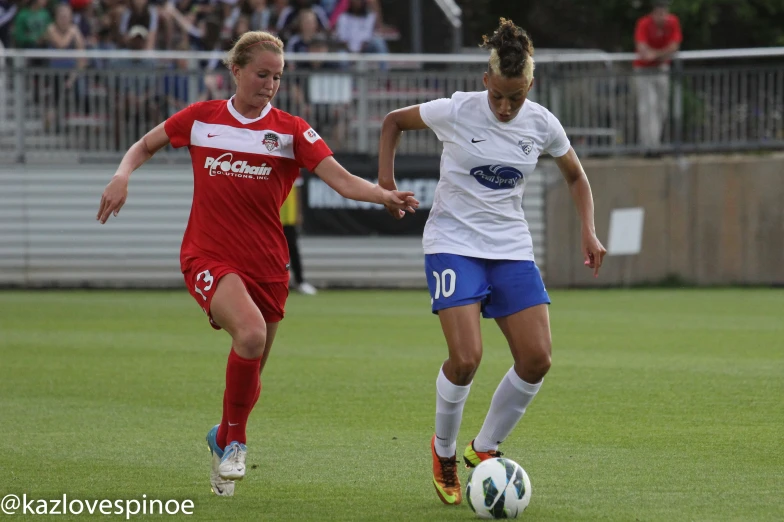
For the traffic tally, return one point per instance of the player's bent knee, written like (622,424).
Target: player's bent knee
(534,368)
(542,365)
(249,340)
(464,366)
(534,364)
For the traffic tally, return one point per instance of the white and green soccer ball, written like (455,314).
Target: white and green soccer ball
(498,488)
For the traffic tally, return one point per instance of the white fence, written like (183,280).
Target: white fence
(720,100)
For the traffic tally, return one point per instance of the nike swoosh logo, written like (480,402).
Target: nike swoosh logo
(439,438)
(474,140)
(235,424)
(212,135)
(449,498)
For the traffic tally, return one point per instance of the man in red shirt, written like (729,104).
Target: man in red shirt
(246,155)
(657,37)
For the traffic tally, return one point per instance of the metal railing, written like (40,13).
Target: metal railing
(54,108)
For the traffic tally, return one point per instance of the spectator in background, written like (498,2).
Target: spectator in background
(259,15)
(276,8)
(341,6)
(140,14)
(7,13)
(176,84)
(657,37)
(138,102)
(200,34)
(356,27)
(286,24)
(229,11)
(137,38)
(206,26)
(328,6)
(205,35)
(324,110)
(241,27)
(85,18)
(63,34)
(110,13)
(307,27)
(104,41)
(291,219)
(190,16)
(30,26)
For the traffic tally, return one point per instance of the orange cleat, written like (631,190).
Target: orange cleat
(445,478)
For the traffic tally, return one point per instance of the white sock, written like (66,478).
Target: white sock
(510,400)
(450,399)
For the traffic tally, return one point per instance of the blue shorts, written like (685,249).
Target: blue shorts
(503,287)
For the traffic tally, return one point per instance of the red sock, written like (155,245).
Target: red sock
(256,398)
(223,429)
(242,386)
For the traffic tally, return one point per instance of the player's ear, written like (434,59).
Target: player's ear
(530,86)
(484,79)
(235,71)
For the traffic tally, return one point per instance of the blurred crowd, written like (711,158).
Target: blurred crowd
(69,90)
(198,25)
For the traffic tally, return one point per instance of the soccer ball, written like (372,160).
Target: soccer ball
(498,488)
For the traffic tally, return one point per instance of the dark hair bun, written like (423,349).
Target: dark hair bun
(513,46)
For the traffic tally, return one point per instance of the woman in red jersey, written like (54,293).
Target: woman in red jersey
(246,155)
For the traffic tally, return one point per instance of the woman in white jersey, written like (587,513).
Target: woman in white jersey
(478,251)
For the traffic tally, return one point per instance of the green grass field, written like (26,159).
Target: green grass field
(660,405)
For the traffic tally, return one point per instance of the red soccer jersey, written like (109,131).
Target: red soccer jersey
(243,170)
(656,37)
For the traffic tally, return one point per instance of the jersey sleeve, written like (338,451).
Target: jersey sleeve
(641,31)
(677,35)
(437,115)
(557,143)
(309,148)
(178,127)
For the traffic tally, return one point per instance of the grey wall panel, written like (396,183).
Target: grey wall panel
(709,220)
(13,234)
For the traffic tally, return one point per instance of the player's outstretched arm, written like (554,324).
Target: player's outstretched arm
(407,118)
(575,177)
(116,192)
(353,187)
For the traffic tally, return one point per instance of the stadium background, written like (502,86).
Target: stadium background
(663,404)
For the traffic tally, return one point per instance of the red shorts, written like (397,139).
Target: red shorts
(201,279)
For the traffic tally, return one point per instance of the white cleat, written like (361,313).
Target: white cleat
(307,288)
(219,486)
(232,464)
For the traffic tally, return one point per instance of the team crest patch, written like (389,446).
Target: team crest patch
(526,145)
(271,141)
(311,135)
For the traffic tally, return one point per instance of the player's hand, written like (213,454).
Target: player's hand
(395,213)
(593,251)
(113,198)
(398,203)
(392,187)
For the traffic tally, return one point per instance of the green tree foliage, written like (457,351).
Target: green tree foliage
(609,24)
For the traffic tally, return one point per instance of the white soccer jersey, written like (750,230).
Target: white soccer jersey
(477,210)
